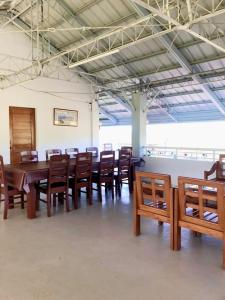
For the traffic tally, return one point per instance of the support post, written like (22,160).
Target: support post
(94,124)
(139,122)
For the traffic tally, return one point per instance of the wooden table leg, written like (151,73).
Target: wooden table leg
(31,202)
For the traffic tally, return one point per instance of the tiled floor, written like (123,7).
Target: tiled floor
(91,254)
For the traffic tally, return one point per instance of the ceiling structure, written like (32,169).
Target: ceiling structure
(170,51)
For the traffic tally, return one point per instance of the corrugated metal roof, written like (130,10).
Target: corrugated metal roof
(148,66)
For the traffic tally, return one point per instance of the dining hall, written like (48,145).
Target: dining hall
(112,159)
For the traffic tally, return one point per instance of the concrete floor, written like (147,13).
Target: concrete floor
(91,254)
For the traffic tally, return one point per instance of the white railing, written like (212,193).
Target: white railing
(115,146)
(205,154)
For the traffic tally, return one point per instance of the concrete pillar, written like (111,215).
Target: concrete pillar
(139,119)
(94,124)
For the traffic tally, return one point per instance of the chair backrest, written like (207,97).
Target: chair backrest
(201,204)
(72,152)
(3,182)
(128,148)
(29,156)
(108,147)
(83,167)
(124,165)
(153,193)
(93,150)
(58,169)
(221,166)
(51,152)
(107,164)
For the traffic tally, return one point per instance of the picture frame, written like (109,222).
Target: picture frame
(65,117)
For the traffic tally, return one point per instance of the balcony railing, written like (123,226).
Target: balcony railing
(205,154)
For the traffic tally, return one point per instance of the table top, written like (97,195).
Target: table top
(22,174)
(42,165)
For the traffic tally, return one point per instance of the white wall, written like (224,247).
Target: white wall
(177,167)
(37,93)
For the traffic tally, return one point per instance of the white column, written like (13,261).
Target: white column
(139,122)
(94,124)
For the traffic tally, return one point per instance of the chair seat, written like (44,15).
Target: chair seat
(44,187)
(11,191)
(79,180)
(95,175)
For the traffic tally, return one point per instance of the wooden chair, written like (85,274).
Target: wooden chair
(124,170)
(199,207)
(93,150)
(58,182)
(8,192)
(29,156)
(82,177)
(50,152)
(128,148)
(105,174)
(108,147)
(72,152)
(153,198)
(218,168)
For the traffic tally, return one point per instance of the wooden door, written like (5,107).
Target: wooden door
(22,131)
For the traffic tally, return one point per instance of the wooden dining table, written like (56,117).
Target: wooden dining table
(24,177)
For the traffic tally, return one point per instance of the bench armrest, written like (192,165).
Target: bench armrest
(211,171)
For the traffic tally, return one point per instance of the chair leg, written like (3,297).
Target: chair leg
(136,217)
(6,205)
(11,202)
(118,183)
(112,187)
(49,204)
(54,200)
(37,198)
(224,250)
(176,227)
(99,191)
(75,199)
(89,193)
(67,201)
(160,223)
(177,238)
(22,200)
(137,224)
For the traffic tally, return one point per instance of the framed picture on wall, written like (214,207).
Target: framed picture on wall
(65,117)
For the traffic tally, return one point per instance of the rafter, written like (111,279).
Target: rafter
(75,18)
(36,69)
(108,115)
(169,45)
(165,15)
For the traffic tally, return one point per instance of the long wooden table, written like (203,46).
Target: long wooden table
(24,176)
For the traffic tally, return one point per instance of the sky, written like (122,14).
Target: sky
(190,135)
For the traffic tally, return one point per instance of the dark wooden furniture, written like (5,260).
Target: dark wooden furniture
(28,156)
(24,177)
(105,174)
(22,131)
(123,174)
(218,170)
(153,199)
(82,177)
(93,150)
(57,180)
(199,207)
(72,152)
(50,152)
(128,148)
(7,191)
